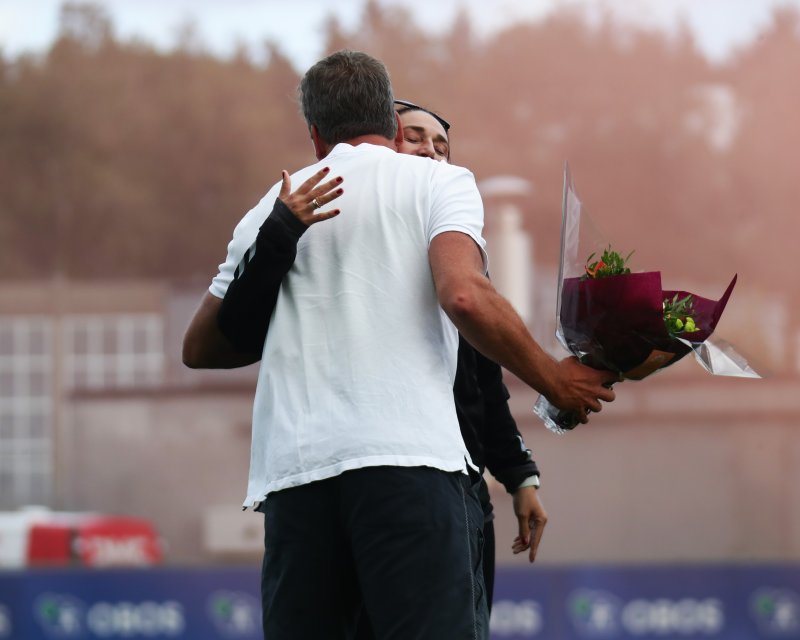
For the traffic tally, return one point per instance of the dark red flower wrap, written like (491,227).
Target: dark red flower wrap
(617,322)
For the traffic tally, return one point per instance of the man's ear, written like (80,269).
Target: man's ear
(320,146)
(398,138)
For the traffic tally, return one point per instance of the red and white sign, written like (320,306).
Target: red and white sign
(46,538)
(108,541)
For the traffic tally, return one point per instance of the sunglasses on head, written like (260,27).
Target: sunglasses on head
(410,106)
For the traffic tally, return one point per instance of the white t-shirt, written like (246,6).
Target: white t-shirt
(359,361)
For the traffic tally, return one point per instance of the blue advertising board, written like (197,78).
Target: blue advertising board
(196,604)
(561,603)
(597,603)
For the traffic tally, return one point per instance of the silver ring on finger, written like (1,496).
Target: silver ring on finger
(315,204)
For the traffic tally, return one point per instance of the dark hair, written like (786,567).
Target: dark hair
(410,106)
(347,95)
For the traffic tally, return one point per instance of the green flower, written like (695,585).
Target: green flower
(677,315)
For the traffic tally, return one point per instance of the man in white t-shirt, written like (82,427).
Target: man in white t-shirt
(357,460)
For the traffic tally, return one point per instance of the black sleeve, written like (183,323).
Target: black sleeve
(506,456)
(244,314)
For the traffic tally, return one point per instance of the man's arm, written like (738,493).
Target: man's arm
(490,324)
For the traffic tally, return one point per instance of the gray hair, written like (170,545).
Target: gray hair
(347,95)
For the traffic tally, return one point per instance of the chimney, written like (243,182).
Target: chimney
(508,244)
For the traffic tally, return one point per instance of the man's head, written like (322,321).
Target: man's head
(348,95)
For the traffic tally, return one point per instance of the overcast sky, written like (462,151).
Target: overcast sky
(296,25)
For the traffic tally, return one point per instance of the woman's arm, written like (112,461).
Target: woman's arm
(245,312)
(506,456)
(230,332)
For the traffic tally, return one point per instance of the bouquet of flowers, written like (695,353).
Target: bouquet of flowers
(611,318)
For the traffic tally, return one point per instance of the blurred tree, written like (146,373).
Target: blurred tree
(414,59)
(86,23)
(764,158)
(119,160)
(128,162)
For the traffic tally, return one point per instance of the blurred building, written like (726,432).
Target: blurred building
(57,340)
(97,413)
(509,246)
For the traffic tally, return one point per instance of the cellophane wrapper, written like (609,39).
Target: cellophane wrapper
(617,322)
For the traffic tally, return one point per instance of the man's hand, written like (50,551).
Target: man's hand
(580,388)
(491,325)
(531,517)
(309,197)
